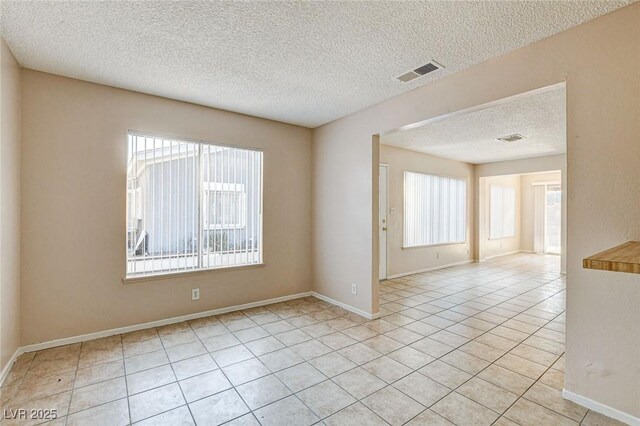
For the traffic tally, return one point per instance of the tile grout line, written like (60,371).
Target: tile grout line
(251,411)
(126,383)
(296,344)
(495,325)
(340,330)
(356,366)
(19,385)
(455,348)
(490,364)
(176,377)
(73,384)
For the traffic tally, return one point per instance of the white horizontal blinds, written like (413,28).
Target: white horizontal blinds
(502,211)
(435,209)
(191,206)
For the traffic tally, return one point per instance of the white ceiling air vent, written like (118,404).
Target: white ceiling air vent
(408,76)
(510,138)
(420,71)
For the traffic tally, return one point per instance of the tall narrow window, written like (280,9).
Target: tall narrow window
(191,206)
(502,212)
(435,210)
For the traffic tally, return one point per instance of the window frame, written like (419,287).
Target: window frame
(242,193)
(128,279)
(404,212)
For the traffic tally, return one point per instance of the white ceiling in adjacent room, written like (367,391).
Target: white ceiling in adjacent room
(540,117)
(300,62)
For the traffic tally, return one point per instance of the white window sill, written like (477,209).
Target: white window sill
(168,275)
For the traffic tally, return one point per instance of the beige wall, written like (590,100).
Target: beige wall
(401,261)
(489,248)
(603,138)
(344,214)
(528,181)
(73,208)
(9,205)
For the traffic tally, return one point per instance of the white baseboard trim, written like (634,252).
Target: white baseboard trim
(349,308)
(8,365)
(158,323)
(601,408)
(172,320)
(433,268)
(501,255)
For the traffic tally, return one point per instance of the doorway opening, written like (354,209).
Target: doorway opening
(520,213)
(548,226)
(475,194)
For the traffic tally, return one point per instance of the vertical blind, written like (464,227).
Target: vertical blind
(502,212)
(191,206)
(435,209)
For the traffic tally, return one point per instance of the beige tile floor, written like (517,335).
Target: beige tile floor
(470,345)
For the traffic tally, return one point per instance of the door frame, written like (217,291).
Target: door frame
(381,228)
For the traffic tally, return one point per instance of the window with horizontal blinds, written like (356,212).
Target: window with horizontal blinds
(502,212)
(435,210)
(191,206)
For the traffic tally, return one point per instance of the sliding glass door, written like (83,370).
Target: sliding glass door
(553,219)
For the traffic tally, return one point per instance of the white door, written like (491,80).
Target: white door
(382,223)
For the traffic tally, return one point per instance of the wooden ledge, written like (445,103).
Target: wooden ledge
(622,258)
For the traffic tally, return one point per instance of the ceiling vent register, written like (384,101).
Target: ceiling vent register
(419,72)
(511,138)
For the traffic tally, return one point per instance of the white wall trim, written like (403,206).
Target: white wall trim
(601,408)
(501,255)
(136,327)
(345,306)
(433,268)
(159,323)
(172,320)
(8,365)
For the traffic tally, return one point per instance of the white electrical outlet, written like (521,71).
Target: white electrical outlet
(195,294)
(354,289)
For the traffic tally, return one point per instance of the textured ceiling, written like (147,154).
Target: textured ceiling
(305,63)
(471,137)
